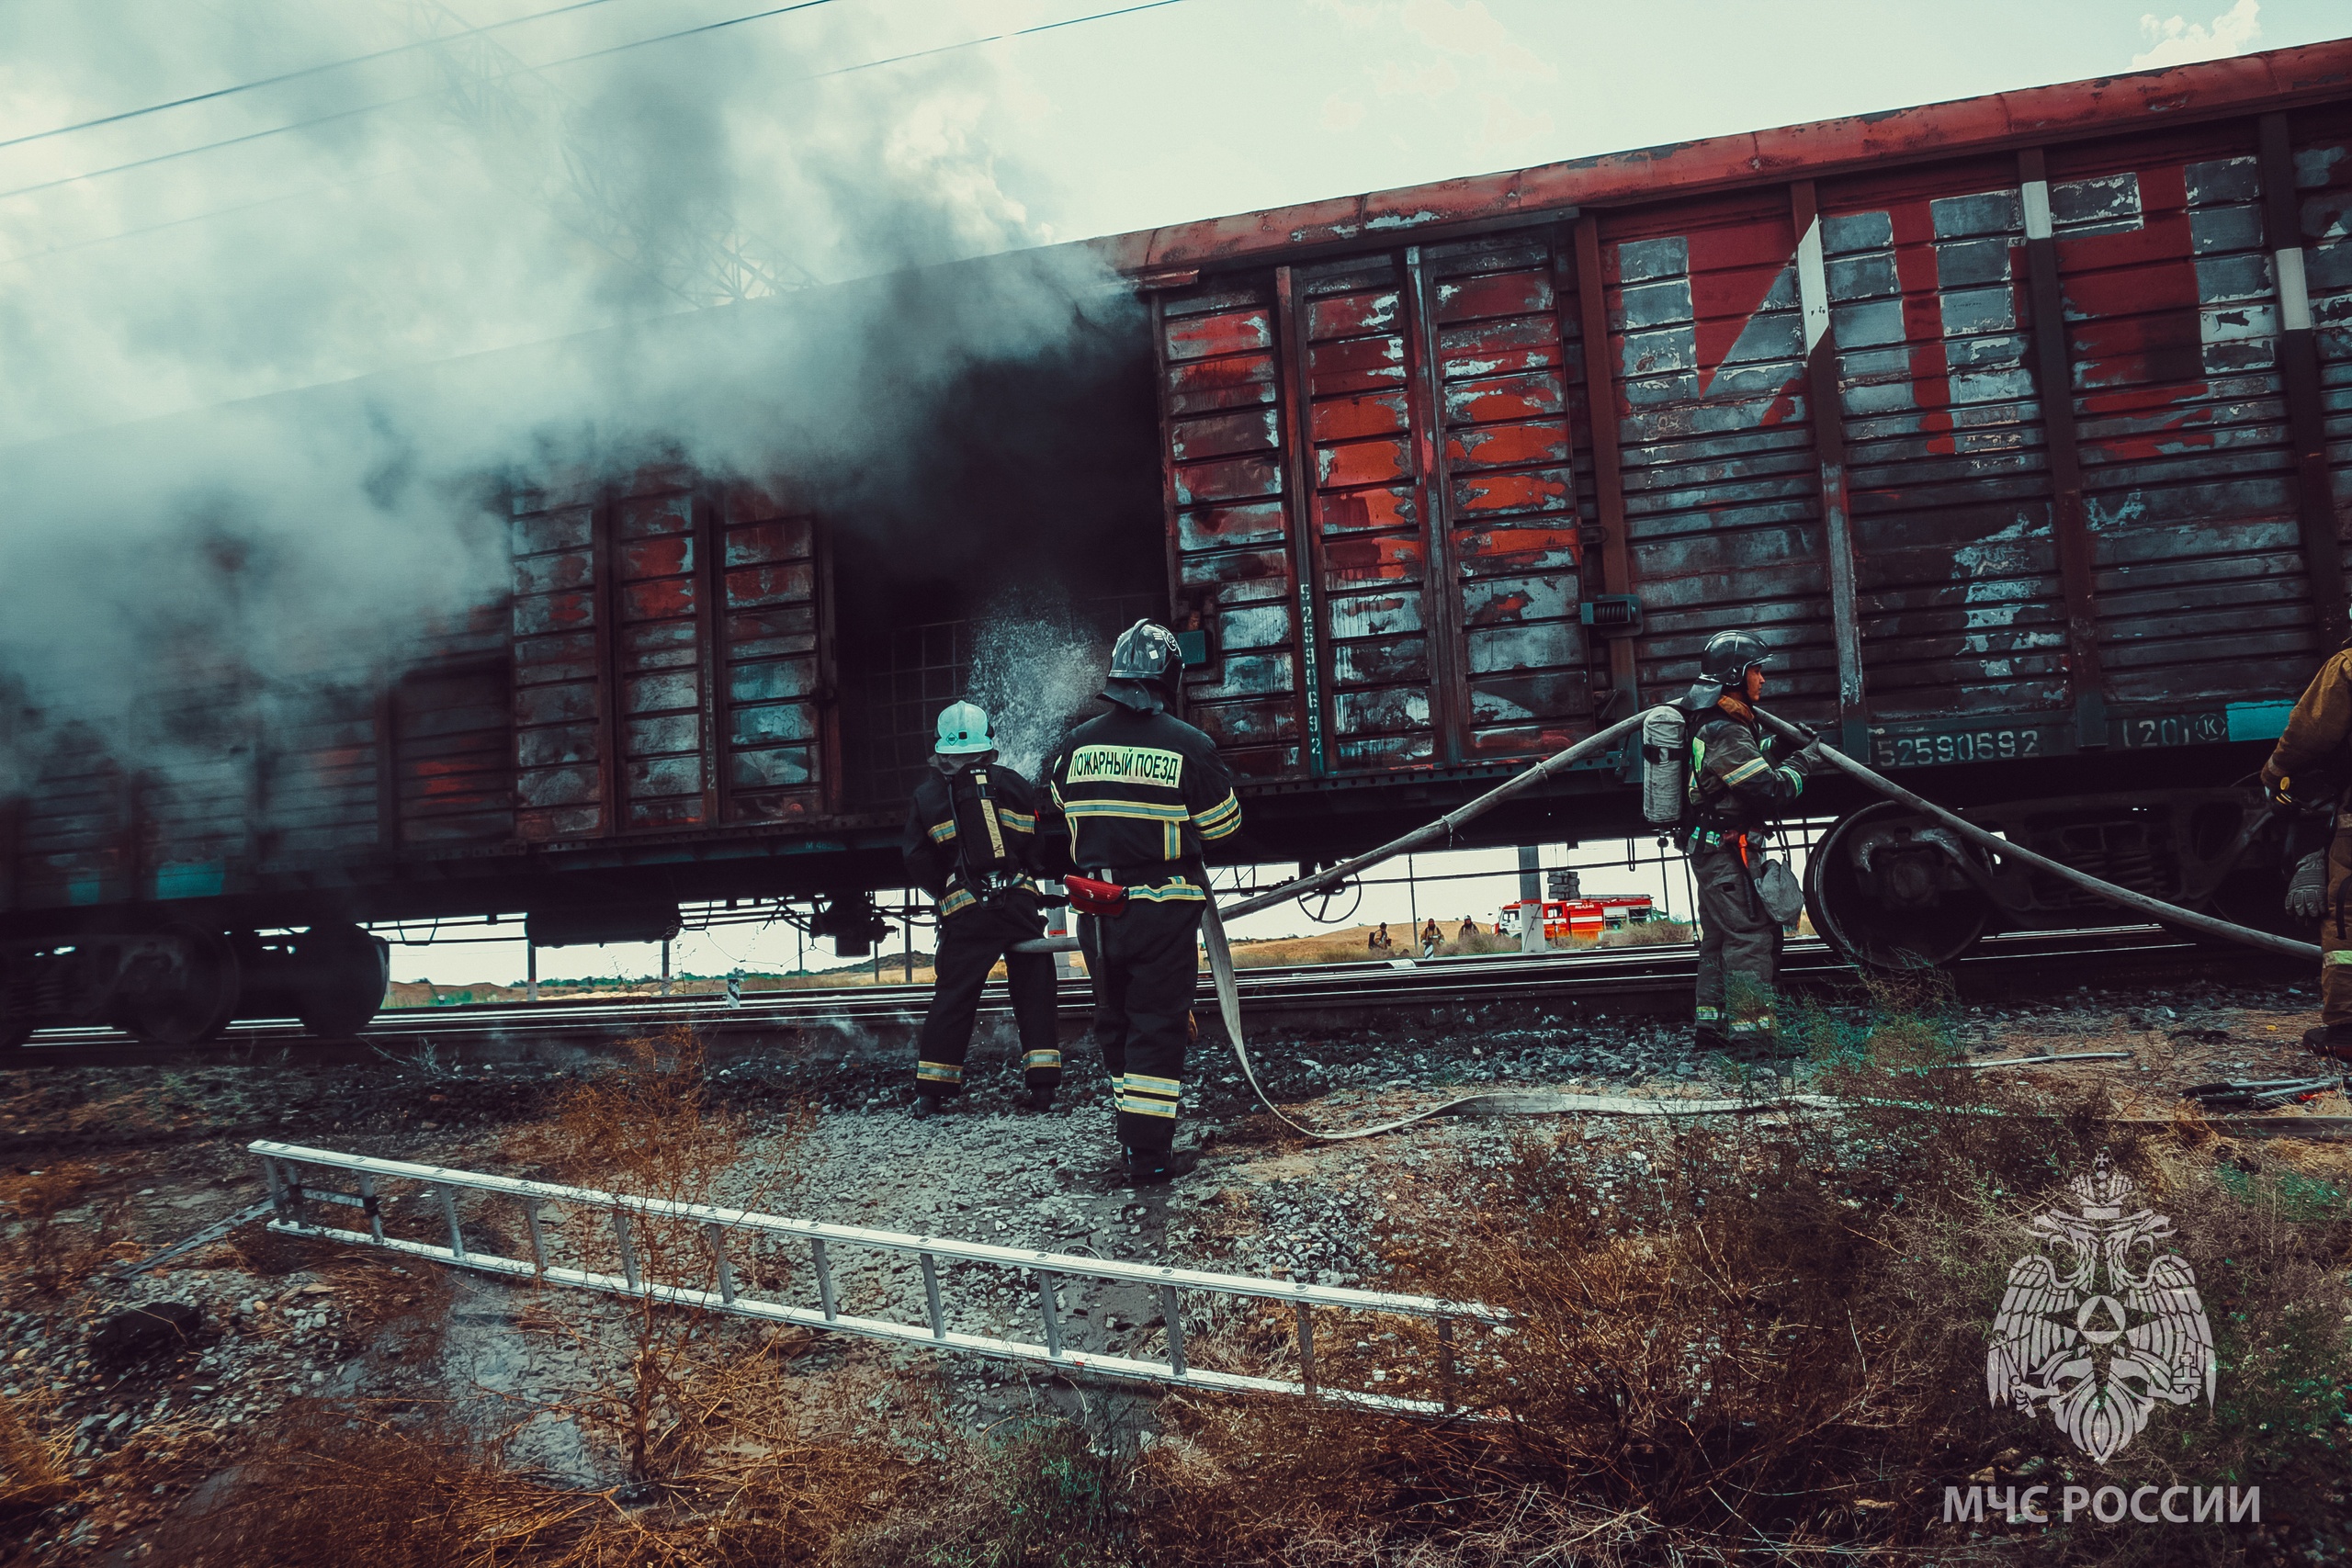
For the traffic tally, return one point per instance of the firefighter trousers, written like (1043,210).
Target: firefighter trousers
(1739,947)
(1146,965)
(970,942)
(2335,929)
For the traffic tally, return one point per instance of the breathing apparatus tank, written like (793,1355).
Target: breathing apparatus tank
(1665,758)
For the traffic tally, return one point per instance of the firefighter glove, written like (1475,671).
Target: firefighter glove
(2307,890)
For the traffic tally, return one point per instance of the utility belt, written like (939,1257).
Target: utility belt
(984,889)
(1711,835)
(1107,889)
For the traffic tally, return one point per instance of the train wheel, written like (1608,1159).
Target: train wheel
(1883,889)
(177,986)
(340,974)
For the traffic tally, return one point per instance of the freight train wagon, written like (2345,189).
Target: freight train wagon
(2008,421)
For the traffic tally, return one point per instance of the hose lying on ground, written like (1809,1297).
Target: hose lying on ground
(1229,996)
(2171,914)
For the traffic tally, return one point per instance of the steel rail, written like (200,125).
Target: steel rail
(283,1165)
(1470,977)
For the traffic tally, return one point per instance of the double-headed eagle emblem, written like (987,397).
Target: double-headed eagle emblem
(2099,1326)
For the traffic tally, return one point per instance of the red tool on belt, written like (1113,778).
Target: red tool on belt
(1089,896)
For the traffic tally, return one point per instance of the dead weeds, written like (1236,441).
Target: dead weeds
(1739,1339)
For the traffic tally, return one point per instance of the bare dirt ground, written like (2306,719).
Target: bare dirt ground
(107,1455)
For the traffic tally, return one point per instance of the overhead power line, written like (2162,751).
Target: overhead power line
(284,76)
(593,54)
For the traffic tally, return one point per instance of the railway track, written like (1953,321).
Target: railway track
(1651,978)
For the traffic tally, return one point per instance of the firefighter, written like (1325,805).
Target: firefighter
(1136,795)
(971,843)
(2311,766)
(1734,784)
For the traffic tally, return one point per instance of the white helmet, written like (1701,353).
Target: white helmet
(963,731)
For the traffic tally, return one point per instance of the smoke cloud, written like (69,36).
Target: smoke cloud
(261,399)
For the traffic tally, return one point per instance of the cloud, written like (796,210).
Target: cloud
(1342,113)
(2175,40)
(1432,79)
(1506,126)
(1471,30)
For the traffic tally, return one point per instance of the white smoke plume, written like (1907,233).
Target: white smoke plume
(259,398)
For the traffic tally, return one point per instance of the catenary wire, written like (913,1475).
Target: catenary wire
(285,77)
(573,59)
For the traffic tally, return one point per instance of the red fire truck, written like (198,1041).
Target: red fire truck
(1582,920)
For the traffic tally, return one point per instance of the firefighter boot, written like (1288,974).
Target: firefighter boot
(925,1106)
(1152,1167)
(2332,1041)
(1034,1099)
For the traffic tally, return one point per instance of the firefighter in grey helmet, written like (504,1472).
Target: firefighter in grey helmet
(971,843)
(1136,795)
(1736,781)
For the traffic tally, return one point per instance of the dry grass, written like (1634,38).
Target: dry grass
(1770,1341)
(65,1224)
(35,1458)
(1648,933)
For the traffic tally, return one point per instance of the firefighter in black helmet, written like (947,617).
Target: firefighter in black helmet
(1137,793)
(971,843)
(1734,784)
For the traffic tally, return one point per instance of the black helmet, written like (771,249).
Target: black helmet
(1729,656)
(1145,651)
(1141,662)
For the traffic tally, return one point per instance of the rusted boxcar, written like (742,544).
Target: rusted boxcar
(2008,421)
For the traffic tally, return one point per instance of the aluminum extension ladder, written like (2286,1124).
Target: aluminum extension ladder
(293,1174)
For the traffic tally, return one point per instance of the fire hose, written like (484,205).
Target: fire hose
(2171,914)
(1229,997)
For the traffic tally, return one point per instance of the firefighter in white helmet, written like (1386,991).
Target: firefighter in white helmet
(971,844)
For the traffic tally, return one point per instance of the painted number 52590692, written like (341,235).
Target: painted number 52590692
(1967,746)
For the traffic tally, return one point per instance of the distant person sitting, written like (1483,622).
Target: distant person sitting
(1431,937)
(1378,941)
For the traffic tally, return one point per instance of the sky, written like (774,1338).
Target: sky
(193,257)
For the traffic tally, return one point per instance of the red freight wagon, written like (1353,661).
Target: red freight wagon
(2007,421)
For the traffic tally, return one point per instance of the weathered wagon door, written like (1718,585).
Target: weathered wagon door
(1232,547)
(1503,354)
(666,661)
(1371,479)
(1444,501)
(1355,350)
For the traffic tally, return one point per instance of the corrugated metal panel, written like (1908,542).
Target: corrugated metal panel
(1959,600)
(320,799)
(1722,500)
(1235,547)
(454,742)
(657,672)
(1366,418)
(558,789)
(1509,364)
(767,652)
(76,838)
(2172,324)
(2322,159)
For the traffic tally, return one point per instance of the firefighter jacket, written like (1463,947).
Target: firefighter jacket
(1138,795)
(1734,784)
(2316,745)
(971,834)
